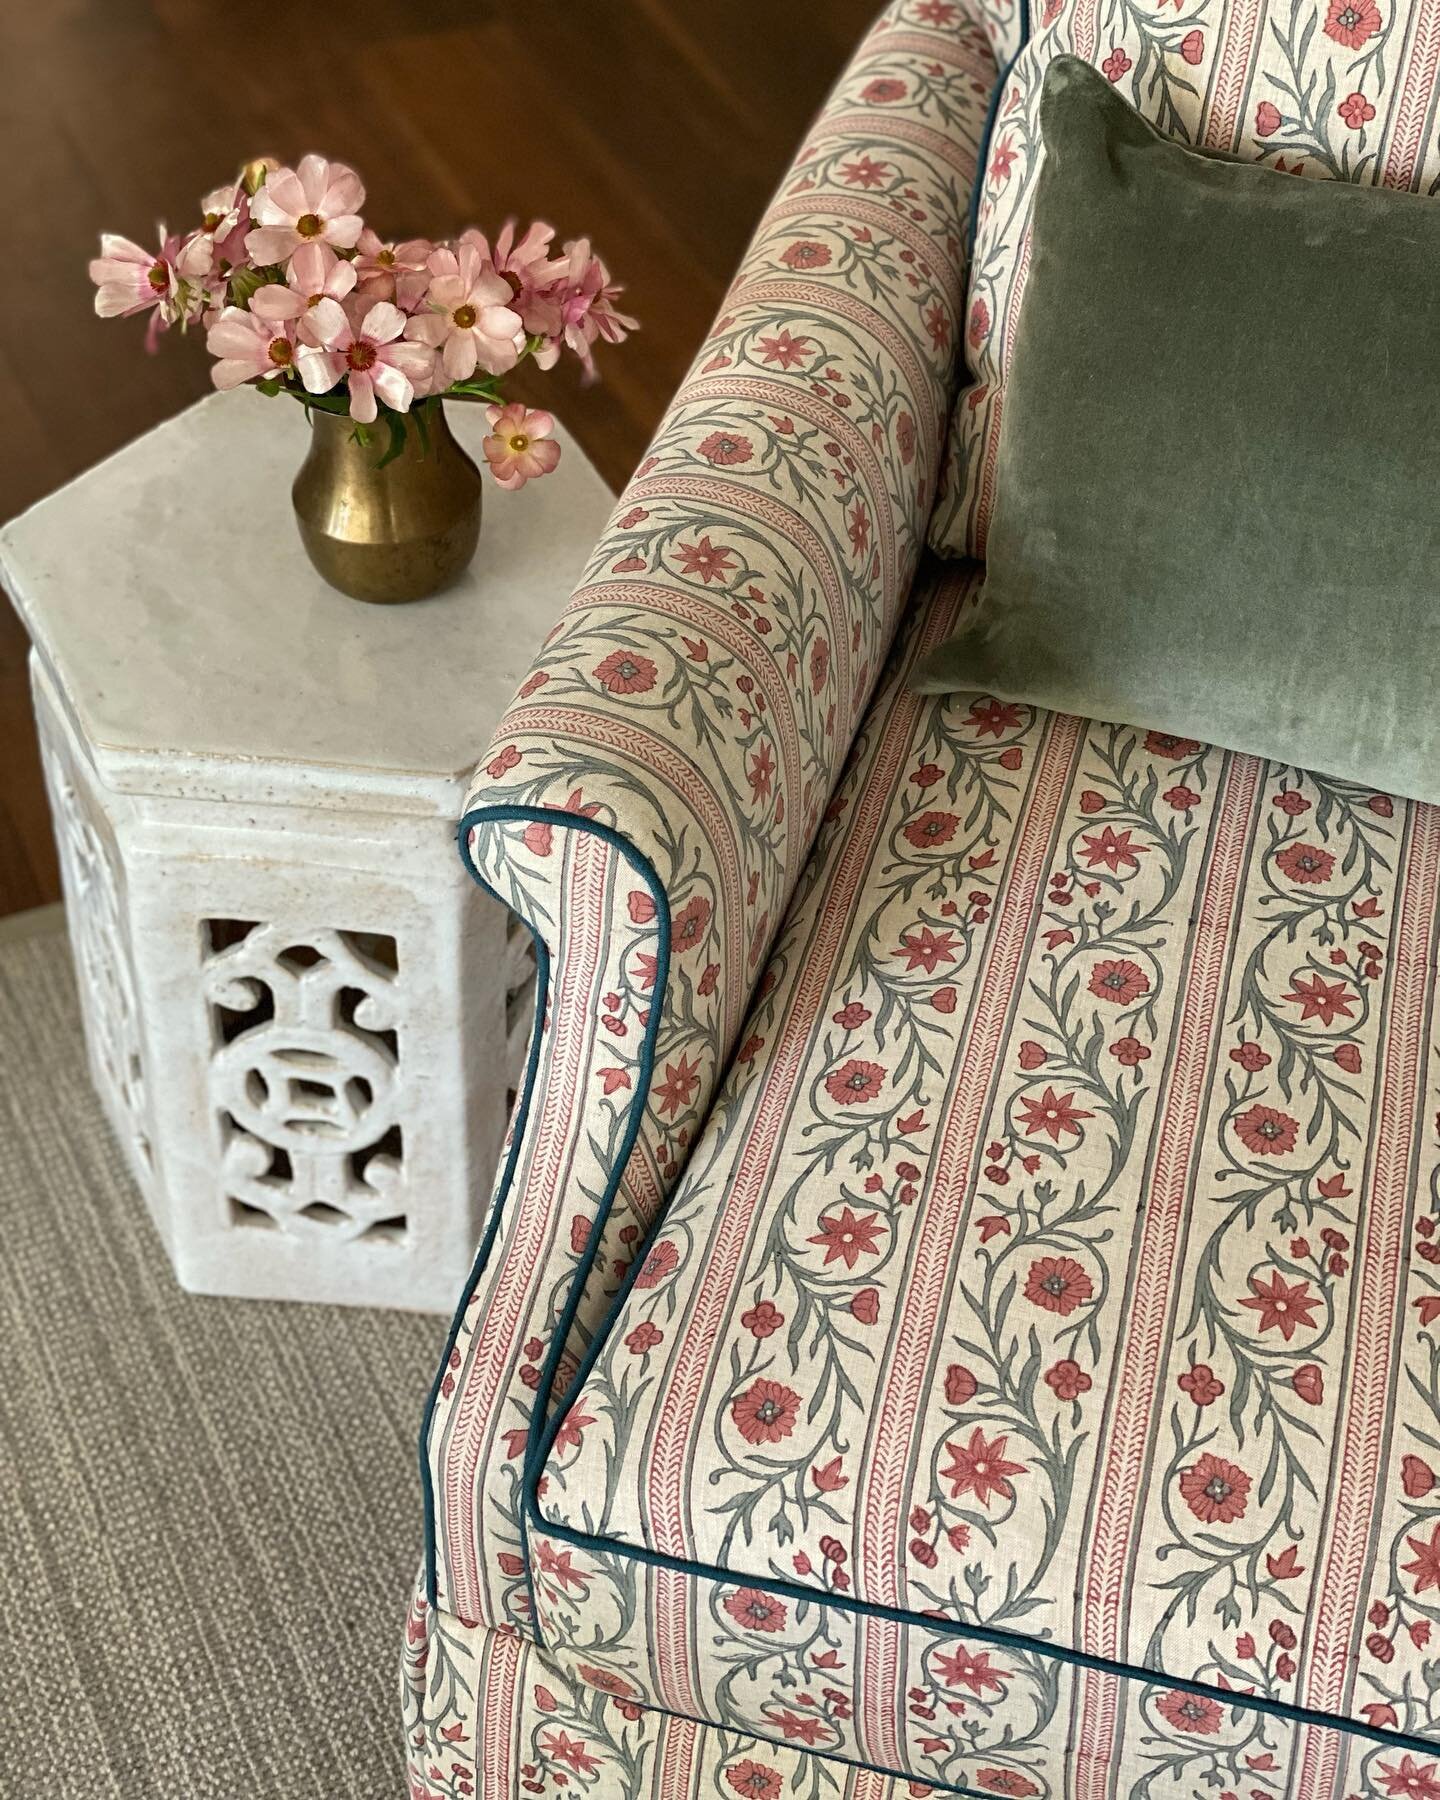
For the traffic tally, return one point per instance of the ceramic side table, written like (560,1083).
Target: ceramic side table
(305,1022)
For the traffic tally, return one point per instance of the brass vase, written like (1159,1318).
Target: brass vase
(397,532)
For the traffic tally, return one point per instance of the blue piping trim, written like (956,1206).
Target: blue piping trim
(972,212)
(572,822)
(825,1756)
(1013,1642)
(542,1434)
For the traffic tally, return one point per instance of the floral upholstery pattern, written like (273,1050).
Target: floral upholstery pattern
(1338,89)
(651,797)
(489,1716)
(1057,1262)
(959,1307)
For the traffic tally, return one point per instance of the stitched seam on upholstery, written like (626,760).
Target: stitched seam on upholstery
(844,1762)
(1063,1653)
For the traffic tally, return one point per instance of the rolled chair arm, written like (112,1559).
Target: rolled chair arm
(652,795)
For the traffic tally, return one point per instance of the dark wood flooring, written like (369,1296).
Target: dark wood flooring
(660,127)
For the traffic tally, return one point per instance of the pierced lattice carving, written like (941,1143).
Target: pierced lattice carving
(306,1034)
(102,959)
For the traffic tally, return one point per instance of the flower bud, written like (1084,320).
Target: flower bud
(252,176)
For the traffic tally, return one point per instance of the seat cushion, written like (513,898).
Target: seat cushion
(1329,89)
(1035,1376)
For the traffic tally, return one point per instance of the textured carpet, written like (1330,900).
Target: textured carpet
(209,1509)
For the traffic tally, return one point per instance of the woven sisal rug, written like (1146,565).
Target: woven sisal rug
(209,1509)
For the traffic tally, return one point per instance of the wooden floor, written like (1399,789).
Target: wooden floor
(660,127)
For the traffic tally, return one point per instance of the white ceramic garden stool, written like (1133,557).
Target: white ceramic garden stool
(305,1021)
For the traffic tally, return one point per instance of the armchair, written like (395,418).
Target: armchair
(957,1311)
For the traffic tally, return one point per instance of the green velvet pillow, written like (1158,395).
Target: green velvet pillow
(1218,504)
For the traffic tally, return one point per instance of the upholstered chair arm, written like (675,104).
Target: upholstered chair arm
(652,795)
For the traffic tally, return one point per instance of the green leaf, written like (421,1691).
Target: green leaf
(478,387)
(245,283)
(421,416)
(396,422)
(331,403)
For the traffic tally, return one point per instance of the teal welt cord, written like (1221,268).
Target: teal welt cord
(500,815)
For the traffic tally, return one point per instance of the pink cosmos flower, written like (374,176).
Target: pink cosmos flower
(520,447)
(398,272)
(467,315)
(529,271)
(427,376)
(217,245)
(370,359)
(426,372)
(587,311)
(319,199)
(129,279)
(249,347)
(315,273)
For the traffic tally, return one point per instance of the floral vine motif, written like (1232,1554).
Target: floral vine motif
(866,1111)
(518,863)
(1311,101)
(696,702)
(1404,1612)
(1090,1024)
(1282,884)
(576,1728)
(1286,1137)
(437,1691)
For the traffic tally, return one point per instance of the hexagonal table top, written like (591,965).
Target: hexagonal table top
(202,656)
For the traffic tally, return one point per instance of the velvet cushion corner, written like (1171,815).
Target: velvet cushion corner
(1215,484)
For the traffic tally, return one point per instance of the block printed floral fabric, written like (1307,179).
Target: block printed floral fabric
(650,800)
(489,1716)
(1032,1253)
(1339,89)
(1059,1259)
